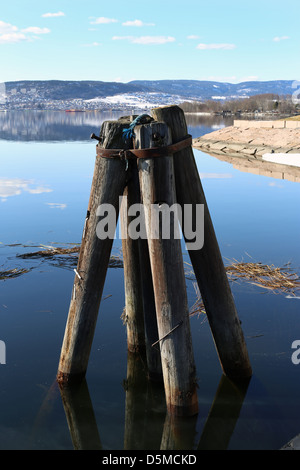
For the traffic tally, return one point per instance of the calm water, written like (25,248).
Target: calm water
(47,162)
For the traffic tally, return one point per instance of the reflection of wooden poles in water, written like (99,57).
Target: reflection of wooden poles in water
(223,415)
(179,433)
(80,417)
(144,407)
(146,425)
(207,262)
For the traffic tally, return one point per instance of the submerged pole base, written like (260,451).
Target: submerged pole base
(240,373)
(64,379)
(186,410)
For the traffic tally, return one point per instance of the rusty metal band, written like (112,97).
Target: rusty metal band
(145,153)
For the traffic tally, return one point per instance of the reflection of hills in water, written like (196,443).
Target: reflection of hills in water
(261,167)
(75,126)
(51,125)
(201,124)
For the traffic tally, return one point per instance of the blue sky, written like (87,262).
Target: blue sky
(123,40)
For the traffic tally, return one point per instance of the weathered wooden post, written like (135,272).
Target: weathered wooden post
(108,185)
(140,313)
(153,267)
(207,262)
(157,189)
(151,330)
(134,315)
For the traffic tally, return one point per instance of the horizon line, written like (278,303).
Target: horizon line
(148,80)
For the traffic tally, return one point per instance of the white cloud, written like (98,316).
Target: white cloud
(103,20)
(93,44)
(38,190)
(149,40)
(36,30)
(193,36)
(53,15)
(137,23)
(56,205)
(15,186)
(275,184)
(280,38)
(11,38)
(230,79)
(223,46)
(249,78)
(6,28)
(10,34)
(216,175)
(220,78)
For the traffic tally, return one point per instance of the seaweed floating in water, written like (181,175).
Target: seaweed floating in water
(278,280)
(12,273)
(66,257)
(60,257)
(50,253)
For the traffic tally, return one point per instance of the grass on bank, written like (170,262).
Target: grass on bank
(293,118)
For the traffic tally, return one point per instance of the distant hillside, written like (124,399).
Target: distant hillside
(66,90)
(60,94)
(207,89)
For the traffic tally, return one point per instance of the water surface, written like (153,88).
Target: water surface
(47,161)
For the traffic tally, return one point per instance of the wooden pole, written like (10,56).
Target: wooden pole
(134,315)
(108,185)
(207,262)
(151,330)
(140,313)
(157,187)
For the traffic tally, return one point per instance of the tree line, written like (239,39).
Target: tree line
(262,103)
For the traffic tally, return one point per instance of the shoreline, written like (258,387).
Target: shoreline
(254,139)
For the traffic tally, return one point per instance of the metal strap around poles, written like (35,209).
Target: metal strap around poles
(145,153)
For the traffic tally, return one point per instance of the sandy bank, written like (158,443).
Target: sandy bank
(252,138)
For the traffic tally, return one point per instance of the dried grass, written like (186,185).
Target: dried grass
(50,253)
(66,258)
(277,280)
(198,307)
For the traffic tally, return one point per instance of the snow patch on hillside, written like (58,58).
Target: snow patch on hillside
(138,100)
